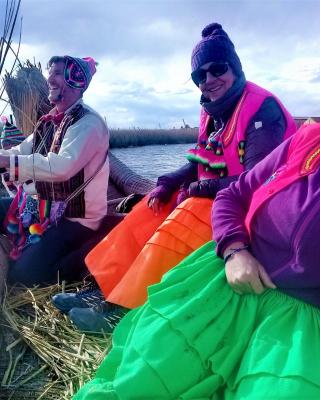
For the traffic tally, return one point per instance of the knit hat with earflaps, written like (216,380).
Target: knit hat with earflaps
(78,72)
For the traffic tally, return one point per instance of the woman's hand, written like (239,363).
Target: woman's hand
(158,197)
(155,204)
(245,274)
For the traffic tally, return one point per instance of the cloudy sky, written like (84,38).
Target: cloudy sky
(143,48)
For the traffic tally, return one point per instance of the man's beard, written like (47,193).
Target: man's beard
(55,96)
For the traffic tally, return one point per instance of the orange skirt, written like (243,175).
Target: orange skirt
(143,247)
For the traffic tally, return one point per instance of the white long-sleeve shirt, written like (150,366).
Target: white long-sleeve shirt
(84,146)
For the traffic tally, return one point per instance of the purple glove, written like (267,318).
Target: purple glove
(161,193)
(183,194)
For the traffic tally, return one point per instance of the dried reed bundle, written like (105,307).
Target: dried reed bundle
(67,357)
(27,91)
(145,137)
(127,180)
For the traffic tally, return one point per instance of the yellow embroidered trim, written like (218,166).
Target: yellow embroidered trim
(311,160)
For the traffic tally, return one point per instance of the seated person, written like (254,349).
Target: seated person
(243,327)
(240,123)
(63,171)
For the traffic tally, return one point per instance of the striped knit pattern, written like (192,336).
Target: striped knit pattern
(10,136)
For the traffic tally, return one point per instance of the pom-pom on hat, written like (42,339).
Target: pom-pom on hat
(215,46)
(78,72)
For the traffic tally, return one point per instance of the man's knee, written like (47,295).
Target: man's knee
(29,271)
(4,207)
(18,274)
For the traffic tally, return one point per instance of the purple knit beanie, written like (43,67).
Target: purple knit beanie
(215,46)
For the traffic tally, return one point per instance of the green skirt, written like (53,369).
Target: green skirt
(197,339)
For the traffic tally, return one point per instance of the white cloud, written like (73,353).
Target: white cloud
(301,70)
(162,28)
(143,48)
(127,90)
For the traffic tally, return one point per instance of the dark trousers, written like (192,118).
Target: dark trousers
(4,207)
(60,253)
(43,263)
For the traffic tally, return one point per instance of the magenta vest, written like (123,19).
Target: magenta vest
(303,159)
(230,150)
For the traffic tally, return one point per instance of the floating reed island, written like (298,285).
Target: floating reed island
(42,356)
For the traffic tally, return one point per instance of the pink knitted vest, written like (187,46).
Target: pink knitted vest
(233,136)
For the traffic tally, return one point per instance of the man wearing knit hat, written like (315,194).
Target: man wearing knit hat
(63,172)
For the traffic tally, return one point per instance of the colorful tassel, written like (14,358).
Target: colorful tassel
(34,239)
(241,147)
(36,229)
(13,228)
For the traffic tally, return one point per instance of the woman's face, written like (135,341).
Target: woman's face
(215,87)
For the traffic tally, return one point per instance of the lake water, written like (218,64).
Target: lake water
(153,161)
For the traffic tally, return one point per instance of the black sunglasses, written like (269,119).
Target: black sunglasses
(216,69)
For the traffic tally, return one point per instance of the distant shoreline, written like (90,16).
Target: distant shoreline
(145,137)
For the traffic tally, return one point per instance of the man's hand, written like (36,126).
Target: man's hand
(245,274)
(4,161)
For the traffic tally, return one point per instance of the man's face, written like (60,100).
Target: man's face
(58,89)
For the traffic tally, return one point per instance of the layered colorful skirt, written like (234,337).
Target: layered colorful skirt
(143,247)
(197,339)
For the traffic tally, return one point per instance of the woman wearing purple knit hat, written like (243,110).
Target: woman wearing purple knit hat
(62,170)
(240,123)
(242,323)
(238,319)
